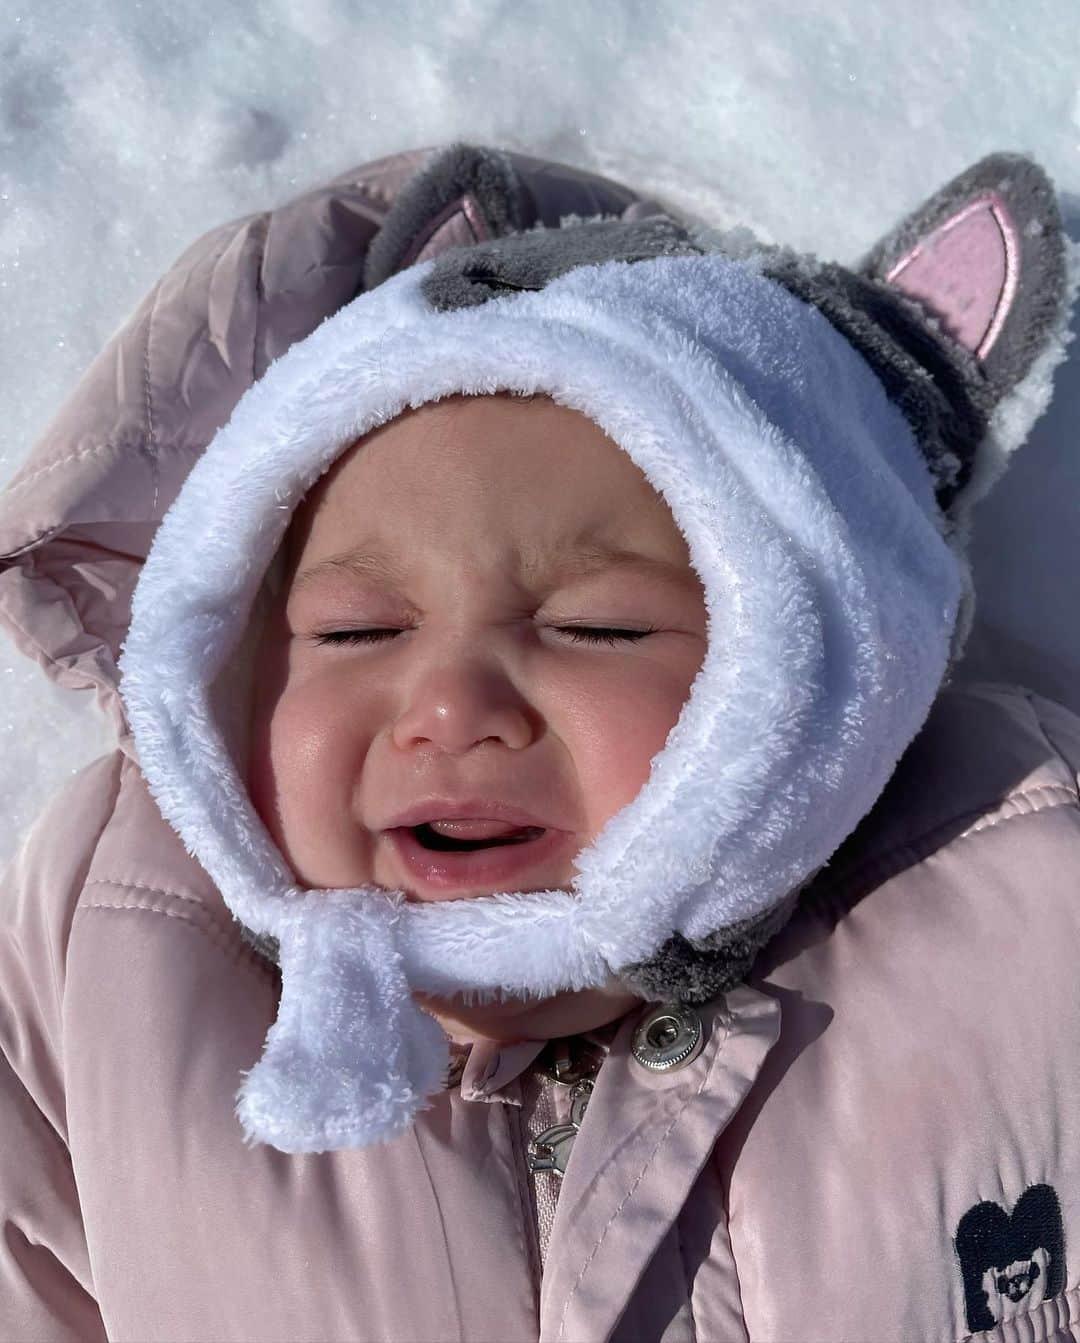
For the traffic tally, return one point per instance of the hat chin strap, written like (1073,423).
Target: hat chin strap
(351,1057)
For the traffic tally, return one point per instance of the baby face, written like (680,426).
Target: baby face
(436,637)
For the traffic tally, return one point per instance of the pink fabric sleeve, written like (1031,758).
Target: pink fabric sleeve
(44,1267)
(46,1285)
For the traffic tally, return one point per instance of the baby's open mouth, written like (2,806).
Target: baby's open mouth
(442,839)
(444,859)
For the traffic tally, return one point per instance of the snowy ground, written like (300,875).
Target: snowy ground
(128,128)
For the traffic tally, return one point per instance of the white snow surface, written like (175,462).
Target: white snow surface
(129,128)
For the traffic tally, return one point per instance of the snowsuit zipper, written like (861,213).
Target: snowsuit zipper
(526,1196)
(554,1095)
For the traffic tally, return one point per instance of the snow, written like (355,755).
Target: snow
(127,129)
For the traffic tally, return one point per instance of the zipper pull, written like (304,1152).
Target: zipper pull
(550,1150)
(570,1060)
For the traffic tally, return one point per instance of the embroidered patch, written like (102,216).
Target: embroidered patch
(1011,1264)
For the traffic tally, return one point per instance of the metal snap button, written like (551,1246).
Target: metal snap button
(668,1037)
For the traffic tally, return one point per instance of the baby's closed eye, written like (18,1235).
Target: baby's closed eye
(576,633)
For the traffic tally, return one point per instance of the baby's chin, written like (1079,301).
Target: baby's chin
(508,1019)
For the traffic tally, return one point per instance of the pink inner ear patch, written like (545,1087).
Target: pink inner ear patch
(966,272)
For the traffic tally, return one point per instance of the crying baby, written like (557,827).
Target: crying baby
(487,628)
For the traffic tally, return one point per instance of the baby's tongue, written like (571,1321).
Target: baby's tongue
(474,829)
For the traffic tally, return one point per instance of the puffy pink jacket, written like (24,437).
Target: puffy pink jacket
(880,1139)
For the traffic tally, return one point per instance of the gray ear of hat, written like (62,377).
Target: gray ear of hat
(946,389)
(951,310)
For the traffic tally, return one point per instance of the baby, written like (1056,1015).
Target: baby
(550,883)
(485,599)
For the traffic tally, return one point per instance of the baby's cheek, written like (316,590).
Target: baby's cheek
(306,760)
(618,739)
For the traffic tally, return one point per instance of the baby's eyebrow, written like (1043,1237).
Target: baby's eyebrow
(576,562)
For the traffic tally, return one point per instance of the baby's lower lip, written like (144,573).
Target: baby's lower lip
(440,875)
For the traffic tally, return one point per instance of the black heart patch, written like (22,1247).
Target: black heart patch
(1011,1264)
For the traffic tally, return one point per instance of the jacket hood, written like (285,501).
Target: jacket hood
(823,510)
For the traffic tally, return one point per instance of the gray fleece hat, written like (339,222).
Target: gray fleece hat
(819,434)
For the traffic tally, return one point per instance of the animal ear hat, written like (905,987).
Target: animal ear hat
(819,434)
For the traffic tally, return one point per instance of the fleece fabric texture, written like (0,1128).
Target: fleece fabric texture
(831,591)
